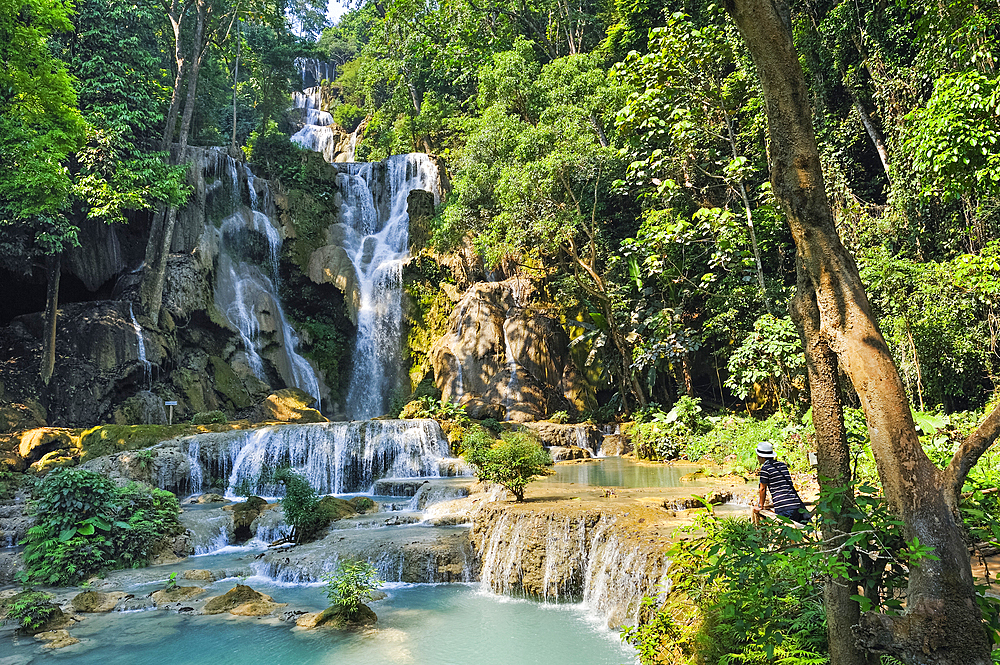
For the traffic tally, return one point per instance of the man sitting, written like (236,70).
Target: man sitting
(774,476)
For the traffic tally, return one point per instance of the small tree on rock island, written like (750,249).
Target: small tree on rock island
(512,462)
(351,585)
(942,622)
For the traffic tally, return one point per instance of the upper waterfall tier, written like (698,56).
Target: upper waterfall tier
(375,237)
(319,132)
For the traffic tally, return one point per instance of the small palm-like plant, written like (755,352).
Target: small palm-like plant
(352,584)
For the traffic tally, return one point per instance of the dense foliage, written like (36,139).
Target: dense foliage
(87,524)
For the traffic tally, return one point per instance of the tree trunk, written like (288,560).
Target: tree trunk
(53,270)
(942,622)
(162,236)
(833,468)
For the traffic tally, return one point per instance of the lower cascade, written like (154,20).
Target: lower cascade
(584,556)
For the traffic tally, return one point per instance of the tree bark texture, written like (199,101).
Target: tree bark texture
(942,622)
(833,467)
(53,270)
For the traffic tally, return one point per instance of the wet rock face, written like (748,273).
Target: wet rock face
(585,435)
(503,360)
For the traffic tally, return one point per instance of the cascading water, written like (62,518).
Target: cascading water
(141,347)
(246,284)
(568,557)
(377,247)
(335,458)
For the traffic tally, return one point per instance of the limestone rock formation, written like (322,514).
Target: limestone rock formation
(568,453)
(502,359)
(584,435)
(289,405)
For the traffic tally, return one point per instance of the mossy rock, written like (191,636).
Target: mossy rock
(109,439)
(229,385)
(36,443)
(92,602)
(333,509)
(238,595)
(335,617)
(244,514)
(363,504)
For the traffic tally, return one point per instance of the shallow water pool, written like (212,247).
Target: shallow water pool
(419,624)
(618,472)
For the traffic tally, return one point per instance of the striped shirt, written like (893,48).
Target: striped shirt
(775,476)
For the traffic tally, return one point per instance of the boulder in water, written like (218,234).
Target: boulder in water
(615,445)
(56,639)
(336,617)
(199,574)
(237,597)
(96,602)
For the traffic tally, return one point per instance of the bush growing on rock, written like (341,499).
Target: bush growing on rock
(513,462)
(305,511)
(86,524)
(351,585)
(31,610)
(209,418)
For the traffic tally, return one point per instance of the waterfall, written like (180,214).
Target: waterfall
(318,133)
(196,479)
(335,458)
(377,247)
(141,347)
(584,557)
(246,284)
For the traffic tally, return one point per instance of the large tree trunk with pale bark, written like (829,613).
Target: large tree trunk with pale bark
(941,623)
(833,468)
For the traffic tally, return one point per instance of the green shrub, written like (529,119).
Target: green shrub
(30,610)
(738,594)
(348,116)
(492,424)
(659,435)
(513,462)
(429,407)
(559,417)
(351,585)
(362,504)
(209,418)
(85,524)
(303,508)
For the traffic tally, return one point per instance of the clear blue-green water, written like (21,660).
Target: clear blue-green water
(420,624)
(618,472)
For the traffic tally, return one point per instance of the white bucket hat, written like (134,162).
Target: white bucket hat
(765,449)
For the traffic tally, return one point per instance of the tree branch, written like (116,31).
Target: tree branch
(969,453)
